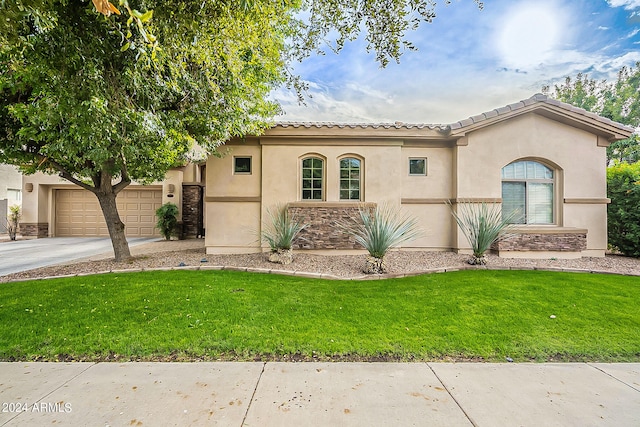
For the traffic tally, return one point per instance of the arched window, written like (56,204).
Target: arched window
(527,192)
(350,174)
(312,178)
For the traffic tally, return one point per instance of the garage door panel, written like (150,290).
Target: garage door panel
(78,213)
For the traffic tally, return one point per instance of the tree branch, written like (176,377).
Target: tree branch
(65,174)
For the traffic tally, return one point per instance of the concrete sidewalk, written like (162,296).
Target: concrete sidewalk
(319,394)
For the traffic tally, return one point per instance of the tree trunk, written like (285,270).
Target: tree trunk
(115,226)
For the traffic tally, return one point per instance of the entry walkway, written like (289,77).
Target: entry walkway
(319,394)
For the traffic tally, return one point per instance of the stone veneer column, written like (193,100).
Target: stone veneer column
(39,229)
(322,231)
(192,215)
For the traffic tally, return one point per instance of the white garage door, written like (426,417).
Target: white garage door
(78,213)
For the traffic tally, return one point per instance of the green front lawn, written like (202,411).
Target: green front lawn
(184,315)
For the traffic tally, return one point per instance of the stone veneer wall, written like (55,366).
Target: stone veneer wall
(39,229)
(322,231)
(562,242)
(192,215)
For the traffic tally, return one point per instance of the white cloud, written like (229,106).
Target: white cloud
(469,62)
(603,28)
(627,4)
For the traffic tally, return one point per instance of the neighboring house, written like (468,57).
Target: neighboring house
(539,157)
(53,206)
(10,192)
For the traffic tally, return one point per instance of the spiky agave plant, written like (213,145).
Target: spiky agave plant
(381,228)
(482,224)
(279,232)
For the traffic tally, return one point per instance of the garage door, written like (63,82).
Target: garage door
(78,213)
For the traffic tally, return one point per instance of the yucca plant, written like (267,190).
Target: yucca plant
(482,224)
(379,229)
(13,221)
(279,232)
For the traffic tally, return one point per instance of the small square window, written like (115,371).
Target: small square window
(242,165)
(418,166)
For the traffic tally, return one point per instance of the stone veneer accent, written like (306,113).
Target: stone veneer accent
(192,212)
(562,240)
(322,231)
(37,229)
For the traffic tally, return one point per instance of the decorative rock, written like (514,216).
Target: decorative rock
(510,360)
(553,316)
(182,264)
(474,260)
(281,256)
(375,266)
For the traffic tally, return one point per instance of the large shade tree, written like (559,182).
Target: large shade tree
(618,101)
(104,94)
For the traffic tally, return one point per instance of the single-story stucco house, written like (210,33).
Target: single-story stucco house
(544,158)
(540,157)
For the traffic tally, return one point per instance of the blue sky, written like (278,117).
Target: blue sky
(470,61)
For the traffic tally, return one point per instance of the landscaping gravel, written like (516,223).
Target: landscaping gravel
(191,254)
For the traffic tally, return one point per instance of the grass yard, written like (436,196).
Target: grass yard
(210,315)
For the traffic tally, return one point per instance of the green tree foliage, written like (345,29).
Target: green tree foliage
(618,101)
(104,97)
(623,186)
(77,102)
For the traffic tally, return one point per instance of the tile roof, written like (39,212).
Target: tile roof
(396,125)
(497,112)
(537,98)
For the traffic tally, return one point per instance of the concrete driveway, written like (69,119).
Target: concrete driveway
(22,255)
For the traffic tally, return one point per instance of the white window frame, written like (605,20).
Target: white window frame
(424,159)
(313,179)
(528,182)
(349,179)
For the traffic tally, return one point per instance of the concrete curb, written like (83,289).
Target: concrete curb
(312,275)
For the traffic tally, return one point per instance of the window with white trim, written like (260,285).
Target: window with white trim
(350,178)
(528,192)
(312,178)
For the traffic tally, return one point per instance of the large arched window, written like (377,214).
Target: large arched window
(312,178)
(350,174)
(527,192)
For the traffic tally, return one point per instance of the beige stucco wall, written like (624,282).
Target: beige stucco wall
(232,201)
(38,205)
(467,169)
(10,179)
(579,163)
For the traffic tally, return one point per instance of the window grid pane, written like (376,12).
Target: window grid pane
(349,179)
(312,178)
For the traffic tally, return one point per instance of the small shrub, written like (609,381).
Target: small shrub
(279,232)
(623,213)
(379,229)
(482,224)
(167,215)
(13,221)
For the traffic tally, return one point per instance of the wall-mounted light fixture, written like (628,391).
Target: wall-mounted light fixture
(28,187)
(171,190)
